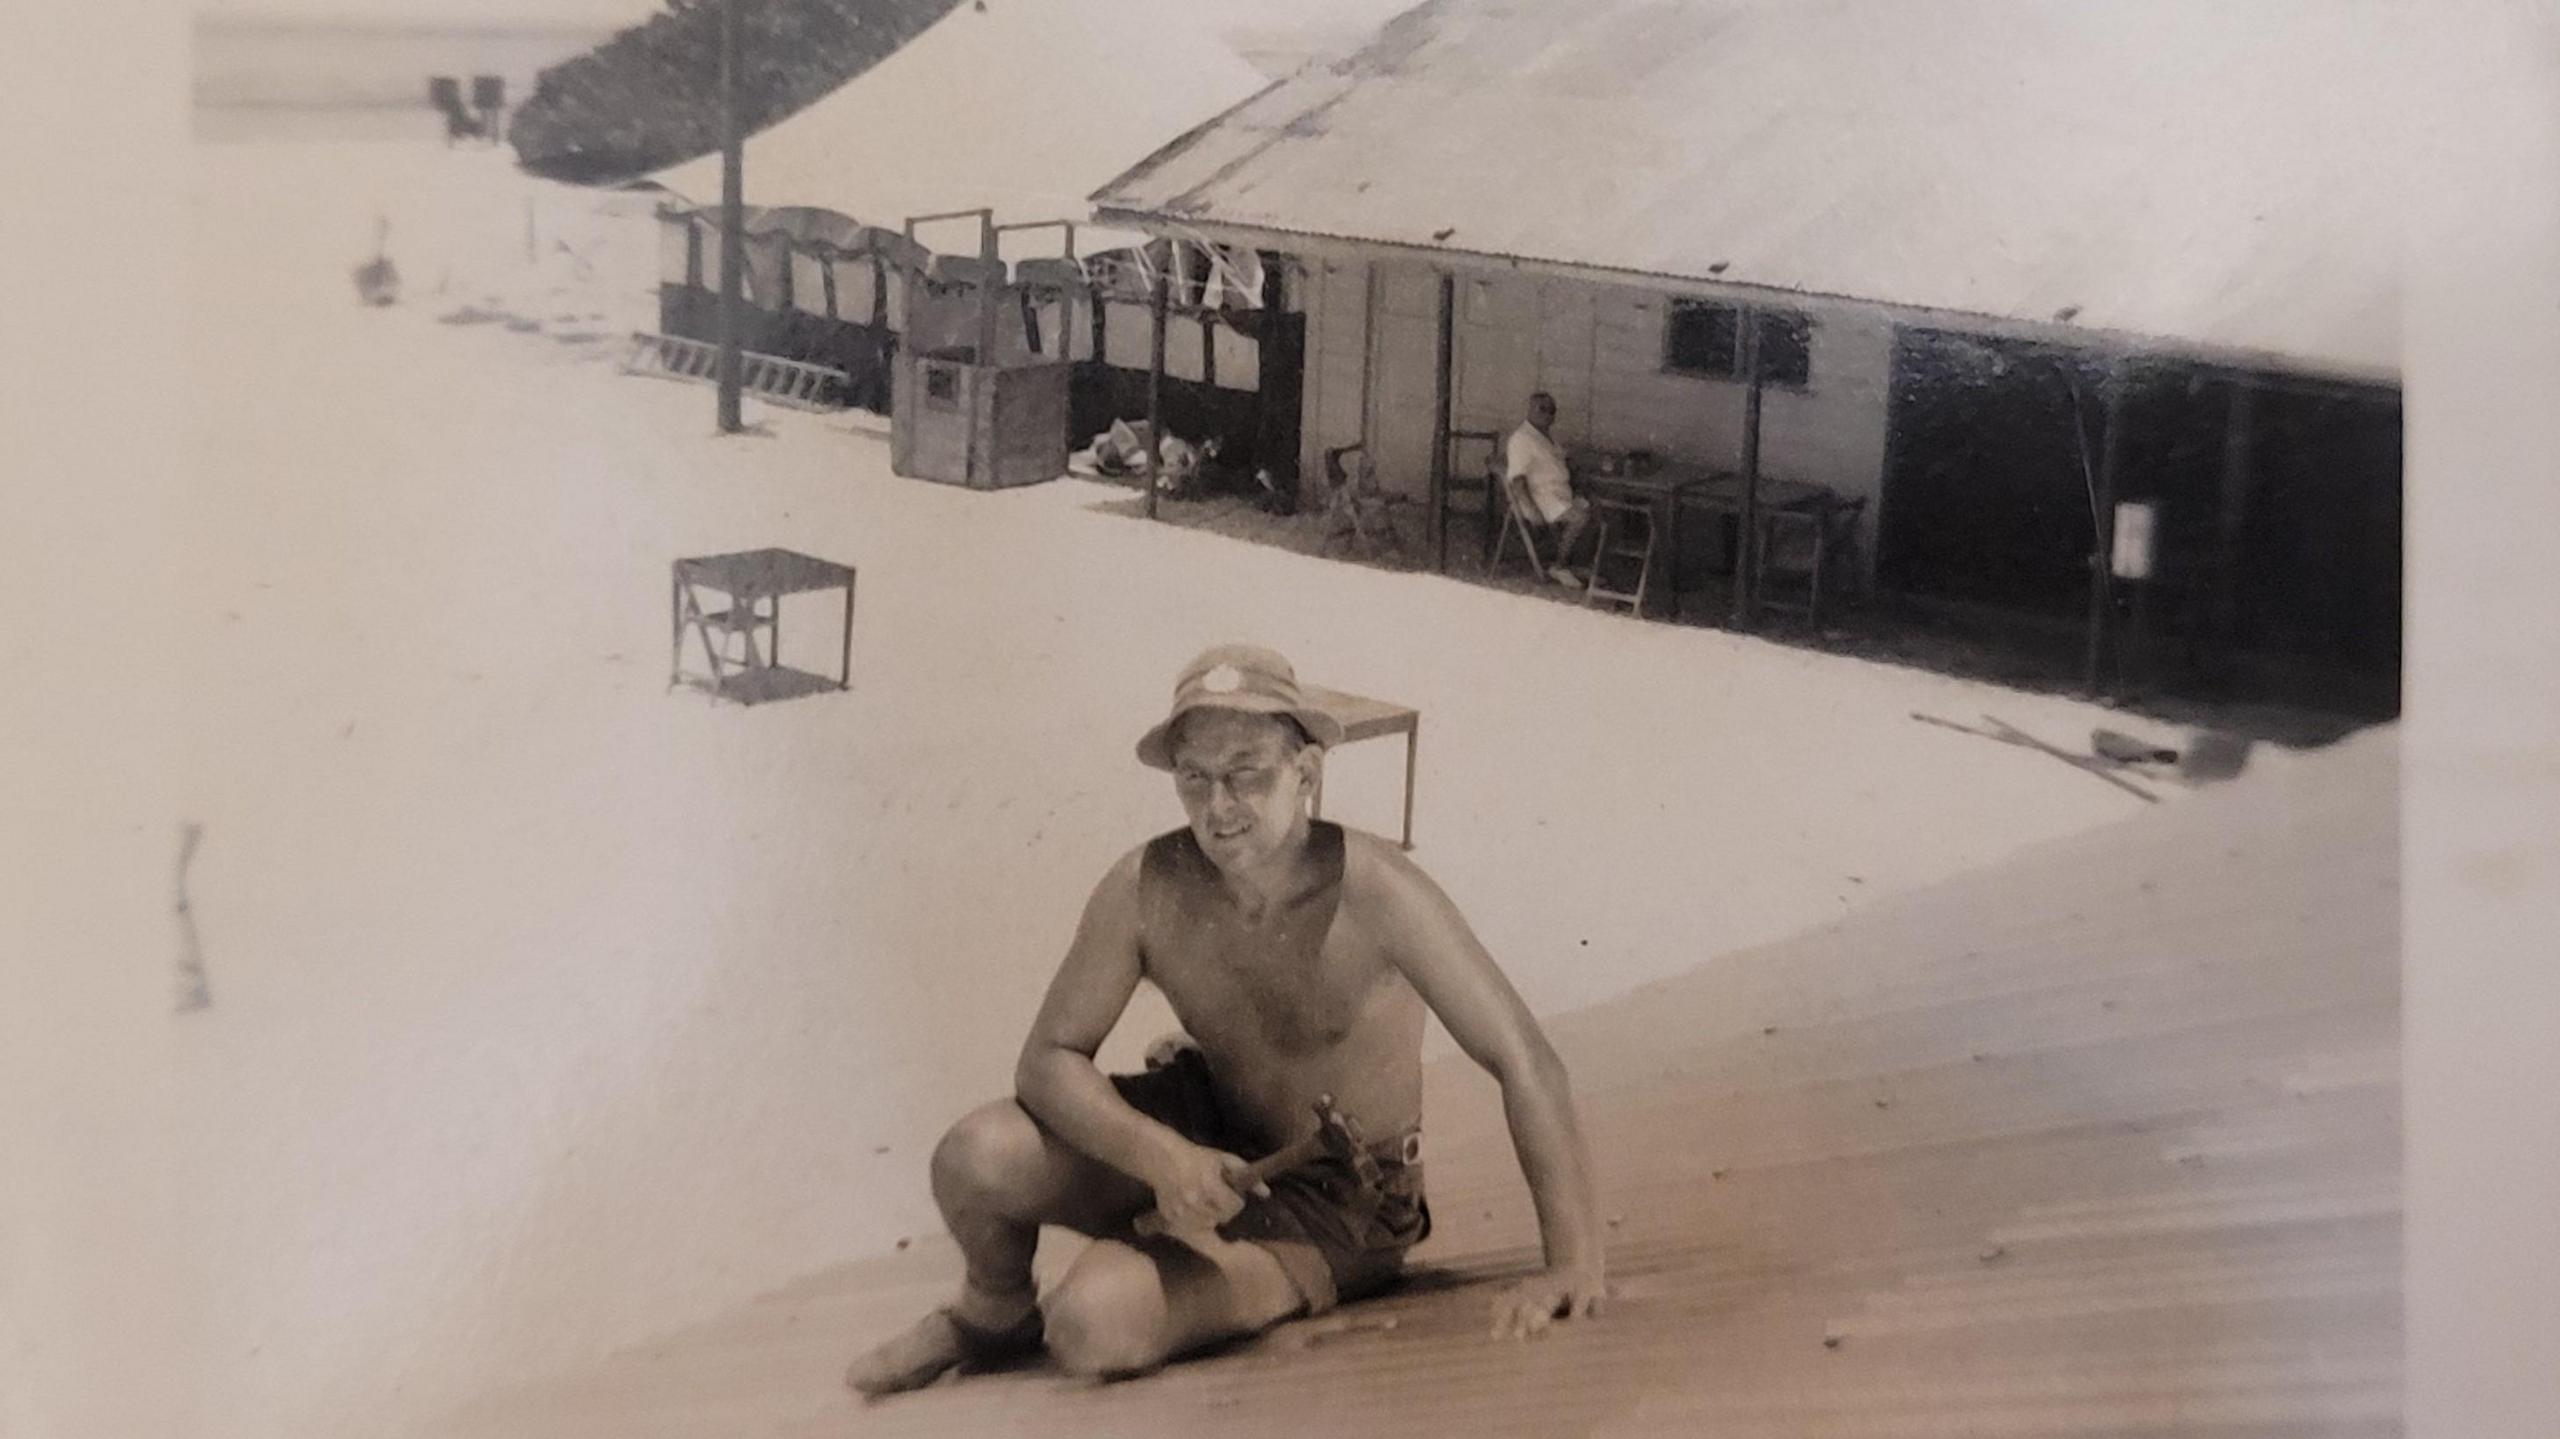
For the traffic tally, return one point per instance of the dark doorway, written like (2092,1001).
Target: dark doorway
(2320,533)
(2276,502)
(1986,499)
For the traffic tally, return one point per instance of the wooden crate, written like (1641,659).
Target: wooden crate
(961,423)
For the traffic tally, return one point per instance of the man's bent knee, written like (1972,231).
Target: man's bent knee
(1108,1315)
(984,1156)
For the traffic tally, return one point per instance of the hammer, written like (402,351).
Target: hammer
(1336,1136)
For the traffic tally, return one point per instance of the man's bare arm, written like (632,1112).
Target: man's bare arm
(1440,955)
(1057,1081)
(1056,1078)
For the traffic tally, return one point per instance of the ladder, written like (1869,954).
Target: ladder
(791,383)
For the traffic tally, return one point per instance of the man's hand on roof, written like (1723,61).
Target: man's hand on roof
(1528,1307)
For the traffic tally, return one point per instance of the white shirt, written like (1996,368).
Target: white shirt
(1533,457)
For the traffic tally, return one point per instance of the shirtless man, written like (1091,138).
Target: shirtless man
(1301,959)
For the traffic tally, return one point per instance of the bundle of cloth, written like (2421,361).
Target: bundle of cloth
(1177,464)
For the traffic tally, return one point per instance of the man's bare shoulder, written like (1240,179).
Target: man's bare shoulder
(1120,882)
(1382,880)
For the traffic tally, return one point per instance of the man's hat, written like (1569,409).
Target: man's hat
(1237,677)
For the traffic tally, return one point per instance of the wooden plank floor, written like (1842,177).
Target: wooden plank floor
(2103,1142)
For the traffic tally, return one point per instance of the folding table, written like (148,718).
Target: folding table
(754,582)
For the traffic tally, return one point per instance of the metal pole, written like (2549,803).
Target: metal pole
(2102,593)
(991,258)
(1746,542)
(1160,302)
(1441,400)
(733,220)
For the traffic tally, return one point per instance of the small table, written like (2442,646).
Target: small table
(1364,718)
(755,582)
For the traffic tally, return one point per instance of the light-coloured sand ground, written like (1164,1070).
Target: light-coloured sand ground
(553,1011)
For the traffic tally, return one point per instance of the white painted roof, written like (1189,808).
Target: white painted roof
(2220,174)
(1025,105)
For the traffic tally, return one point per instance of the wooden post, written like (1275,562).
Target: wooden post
(1441,399)
(989,284)
(1265,339)
(733,221)
(1159,302)
(1746,543)
(2102,590)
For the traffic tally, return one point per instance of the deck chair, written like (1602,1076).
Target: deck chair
(1518,519)
(1626,546)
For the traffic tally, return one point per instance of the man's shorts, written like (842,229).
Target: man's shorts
(1337,1237)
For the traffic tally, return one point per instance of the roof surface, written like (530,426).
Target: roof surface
(2214,174)
(2101,1141)
(1023,105)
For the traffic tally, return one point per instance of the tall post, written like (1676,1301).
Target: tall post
(990,283)
(2102,590)
(1158,303)
(2235,512)
(1266,364)
(1441,400)
(1746,542)
(733,221)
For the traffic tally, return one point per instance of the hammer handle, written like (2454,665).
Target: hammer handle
(1289,1156)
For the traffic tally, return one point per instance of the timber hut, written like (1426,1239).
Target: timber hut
(2085,317)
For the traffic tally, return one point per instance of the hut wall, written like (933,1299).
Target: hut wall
(1212,385)
(676,251)
(809,283)
(1599,349)
(1335,398)
(1600,353)
(1128,340)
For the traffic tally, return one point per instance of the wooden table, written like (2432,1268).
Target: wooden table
(755,582)
(1364,718)
(1721,494)
(1673,488)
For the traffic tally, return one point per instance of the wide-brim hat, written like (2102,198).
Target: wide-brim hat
(1246,678)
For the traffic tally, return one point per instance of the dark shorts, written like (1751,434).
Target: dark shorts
(1337,1237)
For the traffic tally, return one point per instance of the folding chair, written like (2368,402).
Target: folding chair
(1802,545)
(1626,535)
(1516,521)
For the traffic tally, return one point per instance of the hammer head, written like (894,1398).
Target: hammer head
(1341,1137)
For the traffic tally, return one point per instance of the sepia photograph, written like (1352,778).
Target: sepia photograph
(1502,717)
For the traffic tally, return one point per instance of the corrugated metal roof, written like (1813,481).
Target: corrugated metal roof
(2217,173)
(1023,105)
(2103,1141)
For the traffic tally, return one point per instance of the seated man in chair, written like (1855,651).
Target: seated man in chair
(1532,459)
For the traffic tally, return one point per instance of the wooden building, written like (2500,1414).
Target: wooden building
(2009,265)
